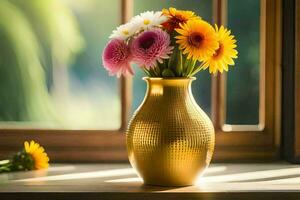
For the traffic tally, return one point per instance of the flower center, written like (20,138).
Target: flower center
(195,39)
(146,44)
(219,51)
(146,40)
(122,54)
(125,32)
(146,21)
(176,20)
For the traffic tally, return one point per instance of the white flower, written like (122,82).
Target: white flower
(149,19)
(124,31)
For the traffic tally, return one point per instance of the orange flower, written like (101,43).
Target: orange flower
(177,17)
(197,39)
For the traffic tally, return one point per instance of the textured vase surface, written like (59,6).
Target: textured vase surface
(170,140)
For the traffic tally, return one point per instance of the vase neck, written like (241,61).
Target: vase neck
(177,88)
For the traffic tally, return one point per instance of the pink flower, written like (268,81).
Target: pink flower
(150,47)
(116,58)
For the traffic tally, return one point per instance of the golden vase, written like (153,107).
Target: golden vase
(170,140)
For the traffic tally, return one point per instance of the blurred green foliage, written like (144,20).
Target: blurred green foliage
(33,33)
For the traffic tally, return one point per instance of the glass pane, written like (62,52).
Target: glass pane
(202,86)
(243,79)
(51,74)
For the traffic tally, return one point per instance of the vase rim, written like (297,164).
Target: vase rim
(168,78)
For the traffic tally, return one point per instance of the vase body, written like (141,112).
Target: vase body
(170,140)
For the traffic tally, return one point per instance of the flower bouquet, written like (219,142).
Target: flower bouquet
(170,140)
(171,43)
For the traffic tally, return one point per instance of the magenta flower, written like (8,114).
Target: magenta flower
(117,57)
(150,47)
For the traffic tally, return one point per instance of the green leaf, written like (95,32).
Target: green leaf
(178,69)
(173,59)
(186,64)
(4,162)
(5,166)
(168,73)
(22,161)
(162,66)
(157,71)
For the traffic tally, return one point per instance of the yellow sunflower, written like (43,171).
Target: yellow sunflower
(177,17)
(38,154)
(197,39)
(224,55)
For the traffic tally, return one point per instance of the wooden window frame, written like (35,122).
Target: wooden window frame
(262,141)
(291,81)
(242,143)
(297,82)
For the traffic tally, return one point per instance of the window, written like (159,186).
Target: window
(244,105)
(242,84)
(62,94)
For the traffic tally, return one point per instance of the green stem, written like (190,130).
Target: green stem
(197,69)
(153,72)
(178,68)
(191,63)
(184,66)
(163,66)
(149,72)
(173,59)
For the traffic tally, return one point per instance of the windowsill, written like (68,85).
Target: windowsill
(118,181)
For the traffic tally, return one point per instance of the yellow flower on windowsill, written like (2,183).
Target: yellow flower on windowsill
(33,156)
(38,154)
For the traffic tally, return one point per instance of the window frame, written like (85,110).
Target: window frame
(242,143)
(297,81)
(249,142)
(290,82)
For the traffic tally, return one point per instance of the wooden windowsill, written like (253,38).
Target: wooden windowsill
(119,181)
